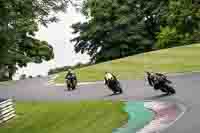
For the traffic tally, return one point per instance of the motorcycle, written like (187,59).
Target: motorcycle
(164,84)
(114,85)
(71,83)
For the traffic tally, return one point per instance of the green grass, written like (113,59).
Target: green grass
(179,59)
(6,83)
(70,117)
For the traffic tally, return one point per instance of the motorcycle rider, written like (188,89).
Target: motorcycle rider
(110,80)
(150,78)
(109,77)
(155,79)
(71,76)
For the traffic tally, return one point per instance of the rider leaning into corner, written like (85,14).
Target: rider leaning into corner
(156,78)
(112,83)
(109,77)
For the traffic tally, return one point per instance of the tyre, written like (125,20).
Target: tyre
(120,90)
(118,87)
(73,86)
(69,85)
(169,89)
(113,89)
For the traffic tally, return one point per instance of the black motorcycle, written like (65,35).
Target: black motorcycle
(160,82)
(114,85)
(71,83)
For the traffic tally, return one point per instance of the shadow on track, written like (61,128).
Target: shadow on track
(113,94)
(156,97)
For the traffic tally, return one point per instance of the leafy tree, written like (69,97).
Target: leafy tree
(19,20)
(117,28)
(182,24)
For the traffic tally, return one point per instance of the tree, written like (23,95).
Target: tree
(182,24)
(23,76)
(30,77)
(19,20)
(117,28)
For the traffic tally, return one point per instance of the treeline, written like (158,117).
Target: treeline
(118,28)
(65,68)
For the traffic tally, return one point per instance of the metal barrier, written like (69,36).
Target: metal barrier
(7,110)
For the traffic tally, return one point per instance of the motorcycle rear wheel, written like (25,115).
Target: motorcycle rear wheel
(169,89)
(119,89)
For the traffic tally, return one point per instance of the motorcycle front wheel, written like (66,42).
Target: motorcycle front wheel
(119,88)
(171,90)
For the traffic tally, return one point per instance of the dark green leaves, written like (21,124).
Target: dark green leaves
(117,28)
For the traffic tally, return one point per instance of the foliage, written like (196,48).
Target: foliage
(167,37)
(65,68)
(30,77)
(182,24)
(117,28)
(19,20)
(23,76)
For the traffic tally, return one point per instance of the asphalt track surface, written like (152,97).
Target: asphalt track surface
(187,87)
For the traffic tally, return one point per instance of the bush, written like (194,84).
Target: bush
(23,76)
(168,37)
(39,76)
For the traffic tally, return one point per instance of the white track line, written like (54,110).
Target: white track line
(179,116)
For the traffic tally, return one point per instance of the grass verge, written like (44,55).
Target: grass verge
(178,59)
(66,117)
(6,83)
